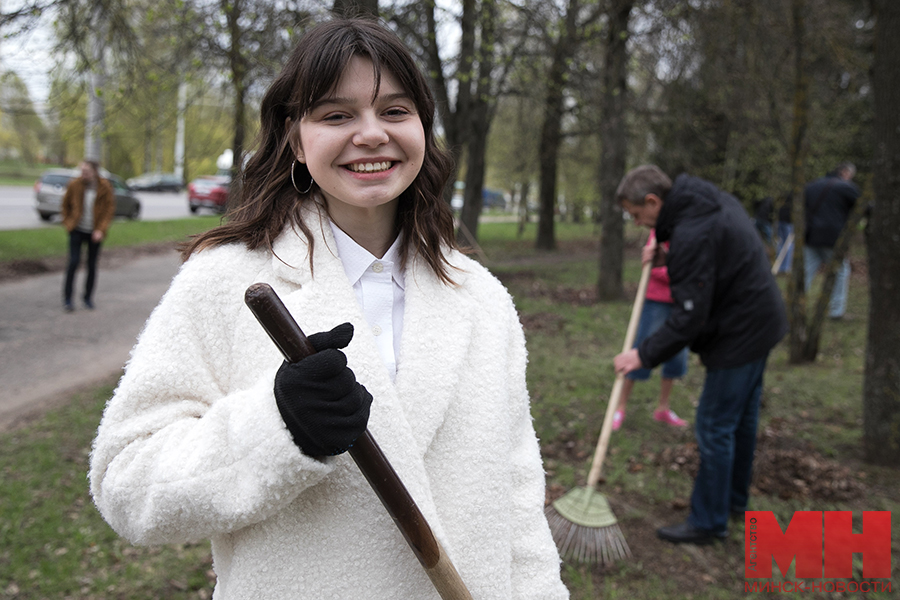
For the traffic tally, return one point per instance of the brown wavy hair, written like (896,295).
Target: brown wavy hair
(268,201)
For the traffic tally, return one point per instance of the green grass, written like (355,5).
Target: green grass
(19,244)
(53,543)
(19,173)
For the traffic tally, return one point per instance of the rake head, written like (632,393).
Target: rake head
(585,528)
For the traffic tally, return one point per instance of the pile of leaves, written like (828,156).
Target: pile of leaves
(781,468)
(791,472)
(16,269)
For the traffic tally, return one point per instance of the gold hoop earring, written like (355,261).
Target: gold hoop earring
(311,181)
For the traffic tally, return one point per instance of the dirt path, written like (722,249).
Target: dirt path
(46,354)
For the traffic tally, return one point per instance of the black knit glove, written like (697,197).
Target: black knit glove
(323,406)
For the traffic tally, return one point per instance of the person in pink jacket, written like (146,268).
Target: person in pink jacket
(657,307)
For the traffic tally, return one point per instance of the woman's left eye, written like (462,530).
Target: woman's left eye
(397,111)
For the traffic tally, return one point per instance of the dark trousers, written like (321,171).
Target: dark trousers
(727,416)
(76,240)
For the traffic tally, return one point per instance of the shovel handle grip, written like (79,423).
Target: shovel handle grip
(277,321)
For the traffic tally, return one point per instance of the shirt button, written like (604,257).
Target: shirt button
(378,267)
(376,330)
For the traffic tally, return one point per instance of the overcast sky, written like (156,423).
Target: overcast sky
(29,56)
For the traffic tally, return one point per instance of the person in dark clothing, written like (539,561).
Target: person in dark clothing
(728,309)
(829,201)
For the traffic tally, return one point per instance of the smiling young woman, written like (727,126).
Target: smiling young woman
(362,152)
(210,434)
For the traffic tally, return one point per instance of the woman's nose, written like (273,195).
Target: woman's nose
(371,131)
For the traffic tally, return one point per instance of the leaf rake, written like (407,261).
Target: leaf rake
(582,522)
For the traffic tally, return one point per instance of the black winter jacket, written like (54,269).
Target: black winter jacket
(727,306)
(829,201)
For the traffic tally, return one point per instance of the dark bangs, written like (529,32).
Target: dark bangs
(325,52)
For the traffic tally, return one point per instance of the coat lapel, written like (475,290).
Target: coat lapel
(437,323)
(407,413)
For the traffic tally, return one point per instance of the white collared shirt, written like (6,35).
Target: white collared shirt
(379,287)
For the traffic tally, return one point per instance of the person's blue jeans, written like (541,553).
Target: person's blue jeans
(76,240)
(816,256)
(726,421)
(785,230)
(652,318)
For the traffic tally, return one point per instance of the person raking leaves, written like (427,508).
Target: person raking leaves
(728,309)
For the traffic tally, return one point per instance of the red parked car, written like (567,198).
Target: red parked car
(210,191)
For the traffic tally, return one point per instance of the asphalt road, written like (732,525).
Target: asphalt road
(46,354)
(17,207)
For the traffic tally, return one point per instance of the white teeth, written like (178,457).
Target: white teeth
(370,167)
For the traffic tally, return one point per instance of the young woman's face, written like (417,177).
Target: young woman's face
(362,154)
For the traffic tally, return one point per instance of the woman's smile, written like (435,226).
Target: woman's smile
(377,167)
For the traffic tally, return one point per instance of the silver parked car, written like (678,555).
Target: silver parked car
(49,190)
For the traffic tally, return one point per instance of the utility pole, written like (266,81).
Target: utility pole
(179,130)
(93,127)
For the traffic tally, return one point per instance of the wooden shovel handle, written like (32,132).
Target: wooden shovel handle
(606,430)
(275,318)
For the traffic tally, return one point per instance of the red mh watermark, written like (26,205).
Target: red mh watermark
(823,544)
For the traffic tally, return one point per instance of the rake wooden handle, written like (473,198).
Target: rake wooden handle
(606,430)
(275,318)
(785,248)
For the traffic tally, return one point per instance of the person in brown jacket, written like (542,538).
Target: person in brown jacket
(88,207)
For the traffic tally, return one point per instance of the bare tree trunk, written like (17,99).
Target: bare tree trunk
(158,157)
(472,197)
(179,131)
(233,13)
(881,390)
(796,285)
(453,121)
(524,190)
(479,124)
(93,127)
(148,146)
(551,130)
(614,146)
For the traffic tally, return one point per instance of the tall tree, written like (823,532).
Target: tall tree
(561,52)
(237,56)
(482,104)
(477,74)
(806,325)
(796,293)
(251,38)
(881,391)
(614,140)
(563,37)
(100,34)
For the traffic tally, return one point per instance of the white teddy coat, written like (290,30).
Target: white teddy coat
(192,446)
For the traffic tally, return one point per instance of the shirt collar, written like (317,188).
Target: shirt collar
(357,260)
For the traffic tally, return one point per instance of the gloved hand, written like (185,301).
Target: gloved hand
(323,406)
